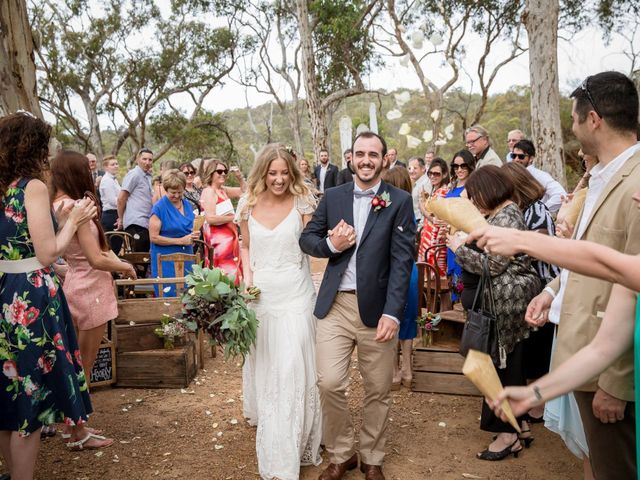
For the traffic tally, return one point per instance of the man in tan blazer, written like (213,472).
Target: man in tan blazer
(605,121)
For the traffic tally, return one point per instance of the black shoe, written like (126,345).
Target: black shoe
(502,454)
(527,440)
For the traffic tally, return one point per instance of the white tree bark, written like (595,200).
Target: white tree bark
(17,68)
(541,22)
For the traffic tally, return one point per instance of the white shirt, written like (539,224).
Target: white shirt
(553,190)
(361,209)
(600,177)
(421,184)
(109,190)
(323,175)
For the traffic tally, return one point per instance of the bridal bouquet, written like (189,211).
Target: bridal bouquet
(216,304)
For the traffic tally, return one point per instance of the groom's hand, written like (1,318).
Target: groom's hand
(387,329)
(342,236)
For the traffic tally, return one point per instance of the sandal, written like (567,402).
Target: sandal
(81,444)
(527,440)
(502,454)
(95,431)
(48,431)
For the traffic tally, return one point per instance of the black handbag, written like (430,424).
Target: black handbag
(480,329)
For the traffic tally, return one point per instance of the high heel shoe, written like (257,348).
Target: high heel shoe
(502,454)
(527,440)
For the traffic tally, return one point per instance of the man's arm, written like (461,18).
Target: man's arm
(402,250)
(123,196)
(313,240)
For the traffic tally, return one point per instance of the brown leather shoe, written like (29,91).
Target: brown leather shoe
(335,471)
(371,472)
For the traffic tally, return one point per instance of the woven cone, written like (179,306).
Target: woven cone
(478,367)
(575,207)
(458,212)
(197,223)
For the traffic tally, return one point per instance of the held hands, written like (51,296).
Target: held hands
(387,329)
(538,310)
(606,408)
(343,236)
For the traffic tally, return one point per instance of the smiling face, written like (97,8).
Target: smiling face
(416,170)
(476,143)
(190,174)
(435,175)
(278,177)
(460,168)
(304,166)
(219,175)
(367,161)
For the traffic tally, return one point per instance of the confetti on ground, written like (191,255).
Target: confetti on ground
(442,424)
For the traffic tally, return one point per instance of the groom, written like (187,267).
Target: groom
(367,231)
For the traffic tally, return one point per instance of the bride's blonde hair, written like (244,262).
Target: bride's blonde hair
(257,183)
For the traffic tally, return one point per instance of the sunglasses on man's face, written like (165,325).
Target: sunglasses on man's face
(457,166)
(519,156)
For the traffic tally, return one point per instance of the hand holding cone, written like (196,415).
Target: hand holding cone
(458,212)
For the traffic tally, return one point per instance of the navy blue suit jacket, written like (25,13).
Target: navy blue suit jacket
(385,256)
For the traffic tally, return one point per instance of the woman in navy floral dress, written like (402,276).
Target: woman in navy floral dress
(42,380)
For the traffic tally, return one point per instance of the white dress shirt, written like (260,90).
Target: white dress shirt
(109,190)
(600,177)
(552,188)
(323,175)
(422,183)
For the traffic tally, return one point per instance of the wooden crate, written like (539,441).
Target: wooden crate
(438,369)
(157,368)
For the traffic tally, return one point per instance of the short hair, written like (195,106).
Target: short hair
(439,162)
(480,130)
(174,178)
(370,134)
(398,177)
(527,189)
(526,146)
(517,130)
(324,150)
(419,160)
(613,96)
(107,159)
(489,186)
(144,150)
(348,150)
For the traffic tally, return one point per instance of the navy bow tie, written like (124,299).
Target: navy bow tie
(366,193)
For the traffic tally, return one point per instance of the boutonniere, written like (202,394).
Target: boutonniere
(381,201)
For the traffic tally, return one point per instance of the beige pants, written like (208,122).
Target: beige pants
(336,336)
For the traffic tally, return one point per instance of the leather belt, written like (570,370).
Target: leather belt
(351,292)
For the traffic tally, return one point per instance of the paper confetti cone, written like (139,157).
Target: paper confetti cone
(479,368)
(458,212)
(198,222)
(575,207)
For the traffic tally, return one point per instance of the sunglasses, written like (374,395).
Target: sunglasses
(189,173)
(434,174)
(471,142)
(519,156)
(222,171)
(457,166)
(585,88)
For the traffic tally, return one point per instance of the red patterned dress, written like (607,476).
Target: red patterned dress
(226,246)
(429,237)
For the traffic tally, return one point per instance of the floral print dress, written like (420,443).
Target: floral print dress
(42,379)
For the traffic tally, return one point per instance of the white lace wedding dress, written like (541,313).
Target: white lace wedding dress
(279,376)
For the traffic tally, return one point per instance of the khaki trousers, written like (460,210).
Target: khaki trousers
(336,336)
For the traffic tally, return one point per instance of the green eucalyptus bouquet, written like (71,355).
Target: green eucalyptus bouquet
(216,304)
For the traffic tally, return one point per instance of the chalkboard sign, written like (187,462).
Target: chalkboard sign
(104,369)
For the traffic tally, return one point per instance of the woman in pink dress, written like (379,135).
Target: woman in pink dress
(88,284)
(220,233)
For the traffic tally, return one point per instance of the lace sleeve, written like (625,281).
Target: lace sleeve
(306,204)
(242,212)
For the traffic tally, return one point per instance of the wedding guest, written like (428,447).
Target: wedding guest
(171,226)
(524,153)
(399,178)
(96,173)
(280,394)
(428,157)
(438,175)
(220,233)
(346,174)
(479,144)
(40,359)
(513,137)
(109,190)
(191,192)
(528,195)
(307,174)
(419,182)
(158,191)
(134,201)
(514,284)
(462,165)
(326,173)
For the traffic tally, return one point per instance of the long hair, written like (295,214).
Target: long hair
(468,158)
(70,174)
(24,148)
(527,189)
(257,184)
(439,162)
(398,177)
(210,169)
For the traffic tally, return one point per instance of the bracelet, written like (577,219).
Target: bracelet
(536,392)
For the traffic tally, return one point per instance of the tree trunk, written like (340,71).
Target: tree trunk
(95,136)
(541,22)
(17,67)
(296,125)
(315,108)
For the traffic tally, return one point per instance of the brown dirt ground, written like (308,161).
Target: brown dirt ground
(174,434)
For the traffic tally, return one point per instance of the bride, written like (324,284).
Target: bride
(279,376)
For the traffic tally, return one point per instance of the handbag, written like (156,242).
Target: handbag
(480,329)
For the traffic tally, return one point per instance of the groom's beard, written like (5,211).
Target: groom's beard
(376,173)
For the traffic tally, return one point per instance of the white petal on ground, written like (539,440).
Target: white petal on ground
(233,421)
(218,447)
(442,424)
